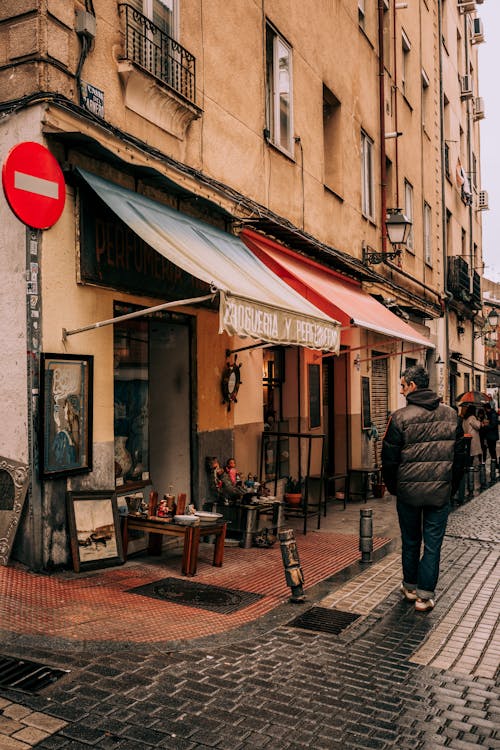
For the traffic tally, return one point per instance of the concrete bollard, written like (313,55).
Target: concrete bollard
(366,534)
(293,571)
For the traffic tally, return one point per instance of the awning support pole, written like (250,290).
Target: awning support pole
(263,345)
(137,314)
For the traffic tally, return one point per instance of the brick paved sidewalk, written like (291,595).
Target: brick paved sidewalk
(97,606)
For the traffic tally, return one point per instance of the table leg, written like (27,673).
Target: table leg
(195,547)
(219,547)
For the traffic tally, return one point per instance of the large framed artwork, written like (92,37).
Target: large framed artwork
(66,382)
(94,528)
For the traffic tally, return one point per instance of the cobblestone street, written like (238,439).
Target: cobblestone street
(392,679)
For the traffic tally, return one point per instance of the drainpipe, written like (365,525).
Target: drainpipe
(469,172)
(396,150)
(383,174)
(447,293)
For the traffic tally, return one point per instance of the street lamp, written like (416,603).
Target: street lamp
(489,332)
(398,228)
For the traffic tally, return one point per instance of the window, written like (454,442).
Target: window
(474,171)
(425,100)
(332,140)
(406,46)
(466,382)
(478,382)
(367,185)
(163,13)
(361,14)
(279,91)
(427,234)
(409,212)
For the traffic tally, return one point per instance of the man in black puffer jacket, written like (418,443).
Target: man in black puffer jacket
(423,459)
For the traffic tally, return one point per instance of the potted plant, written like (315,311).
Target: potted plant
(293,491)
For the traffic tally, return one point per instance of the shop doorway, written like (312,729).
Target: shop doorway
(170,412)
(335,411)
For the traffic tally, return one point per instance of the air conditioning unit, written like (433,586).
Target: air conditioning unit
(466,87)
(478,108)
(466,6)
(477,31)
(482,203)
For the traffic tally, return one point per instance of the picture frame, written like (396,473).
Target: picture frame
(66,404)
(94,530)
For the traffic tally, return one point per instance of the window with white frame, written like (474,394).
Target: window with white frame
(425,99)
(367,181)
(163,13)
(361,13)
(409,212)
(427,233)
(406,47)
(279,90)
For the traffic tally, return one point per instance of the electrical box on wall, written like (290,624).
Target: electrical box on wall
(85,24)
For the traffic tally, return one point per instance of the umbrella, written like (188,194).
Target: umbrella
(473,397)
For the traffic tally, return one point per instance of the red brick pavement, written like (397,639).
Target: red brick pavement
(96,606)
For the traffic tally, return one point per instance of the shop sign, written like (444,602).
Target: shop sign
(242,317)
(112,255)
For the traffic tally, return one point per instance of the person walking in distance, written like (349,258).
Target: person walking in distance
(423,459)
(491,432)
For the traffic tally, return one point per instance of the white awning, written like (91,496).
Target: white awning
(254,301)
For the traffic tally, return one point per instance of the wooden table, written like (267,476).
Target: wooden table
(159,527)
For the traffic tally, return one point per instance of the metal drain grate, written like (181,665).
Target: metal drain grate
(27,675)
(324,620)
(201,595)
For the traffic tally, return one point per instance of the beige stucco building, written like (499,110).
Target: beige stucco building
(289,137)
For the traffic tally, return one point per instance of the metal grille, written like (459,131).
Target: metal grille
(27,675)
(324,620)
(201,595)
(379,401)
(148,46)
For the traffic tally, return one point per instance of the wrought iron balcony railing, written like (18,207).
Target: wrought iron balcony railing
(149,47)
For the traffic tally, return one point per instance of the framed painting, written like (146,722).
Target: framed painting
(66,382)
(94,529)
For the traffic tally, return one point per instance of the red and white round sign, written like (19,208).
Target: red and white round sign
(34,185)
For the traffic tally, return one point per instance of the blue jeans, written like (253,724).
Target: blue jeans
(416,524)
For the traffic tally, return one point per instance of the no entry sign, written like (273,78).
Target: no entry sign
(33,184)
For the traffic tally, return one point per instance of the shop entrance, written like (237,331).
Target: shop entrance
(335,410)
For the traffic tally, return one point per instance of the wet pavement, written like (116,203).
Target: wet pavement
(394,678)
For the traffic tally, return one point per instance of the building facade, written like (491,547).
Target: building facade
(201,168)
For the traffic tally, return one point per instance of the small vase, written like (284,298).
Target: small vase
(122,456)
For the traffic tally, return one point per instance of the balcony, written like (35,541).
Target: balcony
(465,289)
(149,47)
(158,74)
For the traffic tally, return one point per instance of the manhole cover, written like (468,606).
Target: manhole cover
(27,675)
(323,619)
(201,595)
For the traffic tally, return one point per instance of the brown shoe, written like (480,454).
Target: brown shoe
(424,605)
(409,594)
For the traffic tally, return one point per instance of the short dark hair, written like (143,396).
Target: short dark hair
(418,374)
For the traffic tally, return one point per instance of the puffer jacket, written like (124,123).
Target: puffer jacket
(423,451)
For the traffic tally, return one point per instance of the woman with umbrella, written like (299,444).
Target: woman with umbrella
(472,426)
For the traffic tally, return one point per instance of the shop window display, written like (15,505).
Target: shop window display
(131,381)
